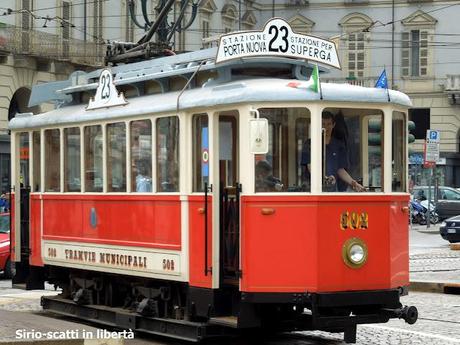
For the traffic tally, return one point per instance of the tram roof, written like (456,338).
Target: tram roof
(255,90)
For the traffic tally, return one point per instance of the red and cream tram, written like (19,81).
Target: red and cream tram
(172,196)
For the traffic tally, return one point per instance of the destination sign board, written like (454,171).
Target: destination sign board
(277,39)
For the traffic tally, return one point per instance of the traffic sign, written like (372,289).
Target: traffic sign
(431,149)
(433,136)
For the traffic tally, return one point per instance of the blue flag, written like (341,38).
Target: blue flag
(383,81)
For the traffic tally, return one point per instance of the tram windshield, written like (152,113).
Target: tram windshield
(280,169)
(351,151)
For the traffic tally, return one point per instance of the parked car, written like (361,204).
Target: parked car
(450,229)
(447,199)
(5,259)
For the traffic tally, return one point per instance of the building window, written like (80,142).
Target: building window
(66,28)
(415,53)
(421,118)
(26,24)
(356,55)
(205,32)
(97,25)
(129,23)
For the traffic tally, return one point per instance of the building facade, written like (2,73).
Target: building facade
(417,42)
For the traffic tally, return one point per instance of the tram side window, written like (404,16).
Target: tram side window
(141,156)
(116,157)
(24,159)
(52,160)
(72,180)
(167,144)
(200,152)
(36,163)
(353,159)
(93,158)
(282,169)
(398,146)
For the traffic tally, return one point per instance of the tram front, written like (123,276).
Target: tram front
(325,226)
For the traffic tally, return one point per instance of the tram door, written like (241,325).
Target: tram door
(229,191)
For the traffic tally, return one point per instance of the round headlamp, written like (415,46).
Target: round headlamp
(354,252)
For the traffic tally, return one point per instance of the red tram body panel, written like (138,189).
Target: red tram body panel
(289,250)
(142,221)
(36,236)
(198,266)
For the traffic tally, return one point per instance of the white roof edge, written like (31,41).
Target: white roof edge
(236,92)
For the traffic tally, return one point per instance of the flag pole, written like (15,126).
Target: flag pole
(319,84)
(388,92)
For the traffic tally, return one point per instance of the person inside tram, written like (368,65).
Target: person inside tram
(265,181)
(336,159)
(143,178)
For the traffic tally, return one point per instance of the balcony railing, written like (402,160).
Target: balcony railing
(452,82)
(296,3)
(48,46)
(452,88)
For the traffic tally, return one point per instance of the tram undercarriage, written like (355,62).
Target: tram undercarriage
(176,310)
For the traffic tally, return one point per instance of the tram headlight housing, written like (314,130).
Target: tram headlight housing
(354,252)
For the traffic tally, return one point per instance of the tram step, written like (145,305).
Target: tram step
(227,321)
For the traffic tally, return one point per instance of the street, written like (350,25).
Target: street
(438,323)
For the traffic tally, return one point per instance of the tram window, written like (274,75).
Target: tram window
(52,160)
(281,169)
(200,152)
(354,162)
(93,158)
(398,146)
(72,180)
(167,144)
(116,157)
(141,156)
(228,148)
(24,159)
(36,162)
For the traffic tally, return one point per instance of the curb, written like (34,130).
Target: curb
(454,246)
(429,231)
(437,287)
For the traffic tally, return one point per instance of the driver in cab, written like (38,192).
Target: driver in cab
(336,158)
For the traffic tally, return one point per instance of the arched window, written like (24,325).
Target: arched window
(301,24)
(207,8)
(417,56)
(355,53)
(229,17)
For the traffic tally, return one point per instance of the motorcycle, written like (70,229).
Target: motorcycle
(417,212)
(434,217)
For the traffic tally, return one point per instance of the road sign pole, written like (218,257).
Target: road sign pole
(431,156)
(429,199)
